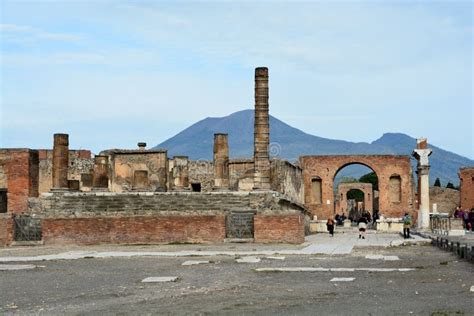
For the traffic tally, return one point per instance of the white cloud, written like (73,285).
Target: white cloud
(25,33)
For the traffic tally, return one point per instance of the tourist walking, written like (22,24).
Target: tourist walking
(362,226)
(406,225)
(470,224)
(330,226)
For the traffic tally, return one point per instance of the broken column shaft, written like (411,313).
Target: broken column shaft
(60,161)
(221,162)
(180,173)
(100,177)
(261,131)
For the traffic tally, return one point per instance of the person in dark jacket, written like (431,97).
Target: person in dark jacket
(330,226)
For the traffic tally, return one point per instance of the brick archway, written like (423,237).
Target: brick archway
(325,168)
(344,188)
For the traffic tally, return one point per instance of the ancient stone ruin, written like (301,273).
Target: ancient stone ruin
(143,196)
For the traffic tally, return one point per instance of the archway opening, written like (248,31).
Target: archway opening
(355,191)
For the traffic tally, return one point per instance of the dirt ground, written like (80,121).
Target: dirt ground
(440,285)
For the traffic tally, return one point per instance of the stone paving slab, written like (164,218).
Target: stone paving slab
(343,244)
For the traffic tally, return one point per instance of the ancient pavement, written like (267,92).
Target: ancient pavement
(342,243)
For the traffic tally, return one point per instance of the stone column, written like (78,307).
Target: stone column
(60,161)
(100,179)
(180,173)
(421,153)
(221,162)
(261,131)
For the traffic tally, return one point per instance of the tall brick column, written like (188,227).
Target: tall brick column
(180,173)
(221,162)
(100,179)
(421,153)
(261,131)
(60,161)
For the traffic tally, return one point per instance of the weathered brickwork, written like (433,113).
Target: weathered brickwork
(6,230)
(159,217)
(20,173)
(137,229)
(466,176)
(287,178)
(80,162)
(279,228)
(386,167)
(202,172)
(344,188)
(125,165)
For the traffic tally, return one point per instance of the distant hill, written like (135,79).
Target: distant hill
(289,143)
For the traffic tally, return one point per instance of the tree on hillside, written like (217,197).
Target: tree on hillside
(355,194)
(370,178)
(437,183)
(450,186)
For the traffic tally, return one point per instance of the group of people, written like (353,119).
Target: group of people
(467,217)
(362,223)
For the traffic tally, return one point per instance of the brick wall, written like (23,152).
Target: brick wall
(164,217)
(279,228)
(287,178)
(467,187)
(385,166)
(140,229)
(20,168)
(6,229)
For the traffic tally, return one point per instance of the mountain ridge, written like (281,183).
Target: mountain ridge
(288,142)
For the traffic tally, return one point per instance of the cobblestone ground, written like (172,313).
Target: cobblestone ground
(440,284)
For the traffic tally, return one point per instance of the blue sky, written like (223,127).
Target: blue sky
(112,73)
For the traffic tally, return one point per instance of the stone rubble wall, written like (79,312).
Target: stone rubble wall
(93,204)
(80,162)
(164,217)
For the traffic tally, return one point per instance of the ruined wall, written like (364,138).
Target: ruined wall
(6,229)
(287,178)
(80,162)
(126,167)
(201,171)
(445,199)
(466,176)
(136,229)
(20,176)
(279,228)
(155,217)
(241,174)
(325,168)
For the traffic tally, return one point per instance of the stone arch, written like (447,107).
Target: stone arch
(327,167)
(344,188)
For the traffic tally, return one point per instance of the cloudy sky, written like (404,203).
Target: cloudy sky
(111,73)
